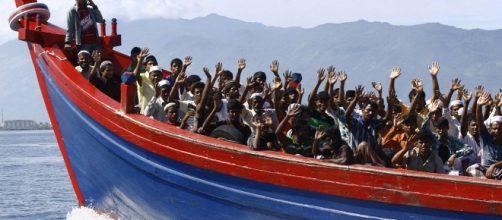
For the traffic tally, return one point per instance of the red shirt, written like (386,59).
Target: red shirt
(88,27)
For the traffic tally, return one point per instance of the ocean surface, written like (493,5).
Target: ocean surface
(34,183)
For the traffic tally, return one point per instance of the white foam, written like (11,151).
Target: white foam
(84,213)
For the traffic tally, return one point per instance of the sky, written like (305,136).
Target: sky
(467,14)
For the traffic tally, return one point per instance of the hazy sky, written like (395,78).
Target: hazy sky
(484,14)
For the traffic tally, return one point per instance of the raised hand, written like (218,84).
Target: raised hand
(498,97)
(143,54)
(332,77)
(342,76)
(320,75)
(187,62)
(484,98)
(466,95)
(218,67)
(417,84)
(359,91)
(274,67)
(478,91)
(395,72)
(277,84)
(434,68)
(377,86)
(241,64)
(434,106)
(206,71)
(300,90)
(319,133)
(293,110)
(96,56)
(455,84)
(181,78)
(250,82)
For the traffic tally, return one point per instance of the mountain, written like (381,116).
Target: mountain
(365,50)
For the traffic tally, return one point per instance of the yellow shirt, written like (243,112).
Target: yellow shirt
(145,91)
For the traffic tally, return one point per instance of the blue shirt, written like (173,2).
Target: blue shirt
(360,132)
(492,153)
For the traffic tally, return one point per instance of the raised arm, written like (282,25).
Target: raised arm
(341,92)
(186,63)
(454,86)
(331,76)
(417,85)
(394,73)
(463,119)
(276,87)
(96,56)
(313,94)
(381,107)
(434,70)
(179,81)
(352,105)
(205,93)
(319,134)
(144,53)
(290,114)
(241,65)
(482,100)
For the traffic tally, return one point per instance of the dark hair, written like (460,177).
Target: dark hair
(135,50)
(424,135)
(410,119)
(197,85)
(372,105)
(177,61)
(258,75)
(323,95)
(350,93)
(230,84)
(150,58)
(334,133)
(336,91)
(233,104)
(192,79)
(441,122)
(413,93)
(227,73)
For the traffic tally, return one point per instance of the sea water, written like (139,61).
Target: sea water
(34,183)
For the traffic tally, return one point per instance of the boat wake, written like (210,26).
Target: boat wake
(83,213)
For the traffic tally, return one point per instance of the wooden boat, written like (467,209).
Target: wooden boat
(138,168)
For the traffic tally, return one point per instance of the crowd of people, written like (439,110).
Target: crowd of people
(446,133)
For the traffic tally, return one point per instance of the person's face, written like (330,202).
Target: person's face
(435,115)
(293,96)
(321,105)
(155,77)
(149,64)
(164,92)
(172,114)
(424,147)
(442,131)
(369,113)
(175,68)
(108,72)
(284,102)
(233,92)
(256,103)
(496,131)
(473,128)
(234,114)
(197,93)
(454,111)
(84,60)
(260,80)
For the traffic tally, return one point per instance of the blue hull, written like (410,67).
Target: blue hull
(119,177)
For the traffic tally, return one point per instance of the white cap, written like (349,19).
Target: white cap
(254,95)
(164,83)
(455,102)
(155,68)
(497,118)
